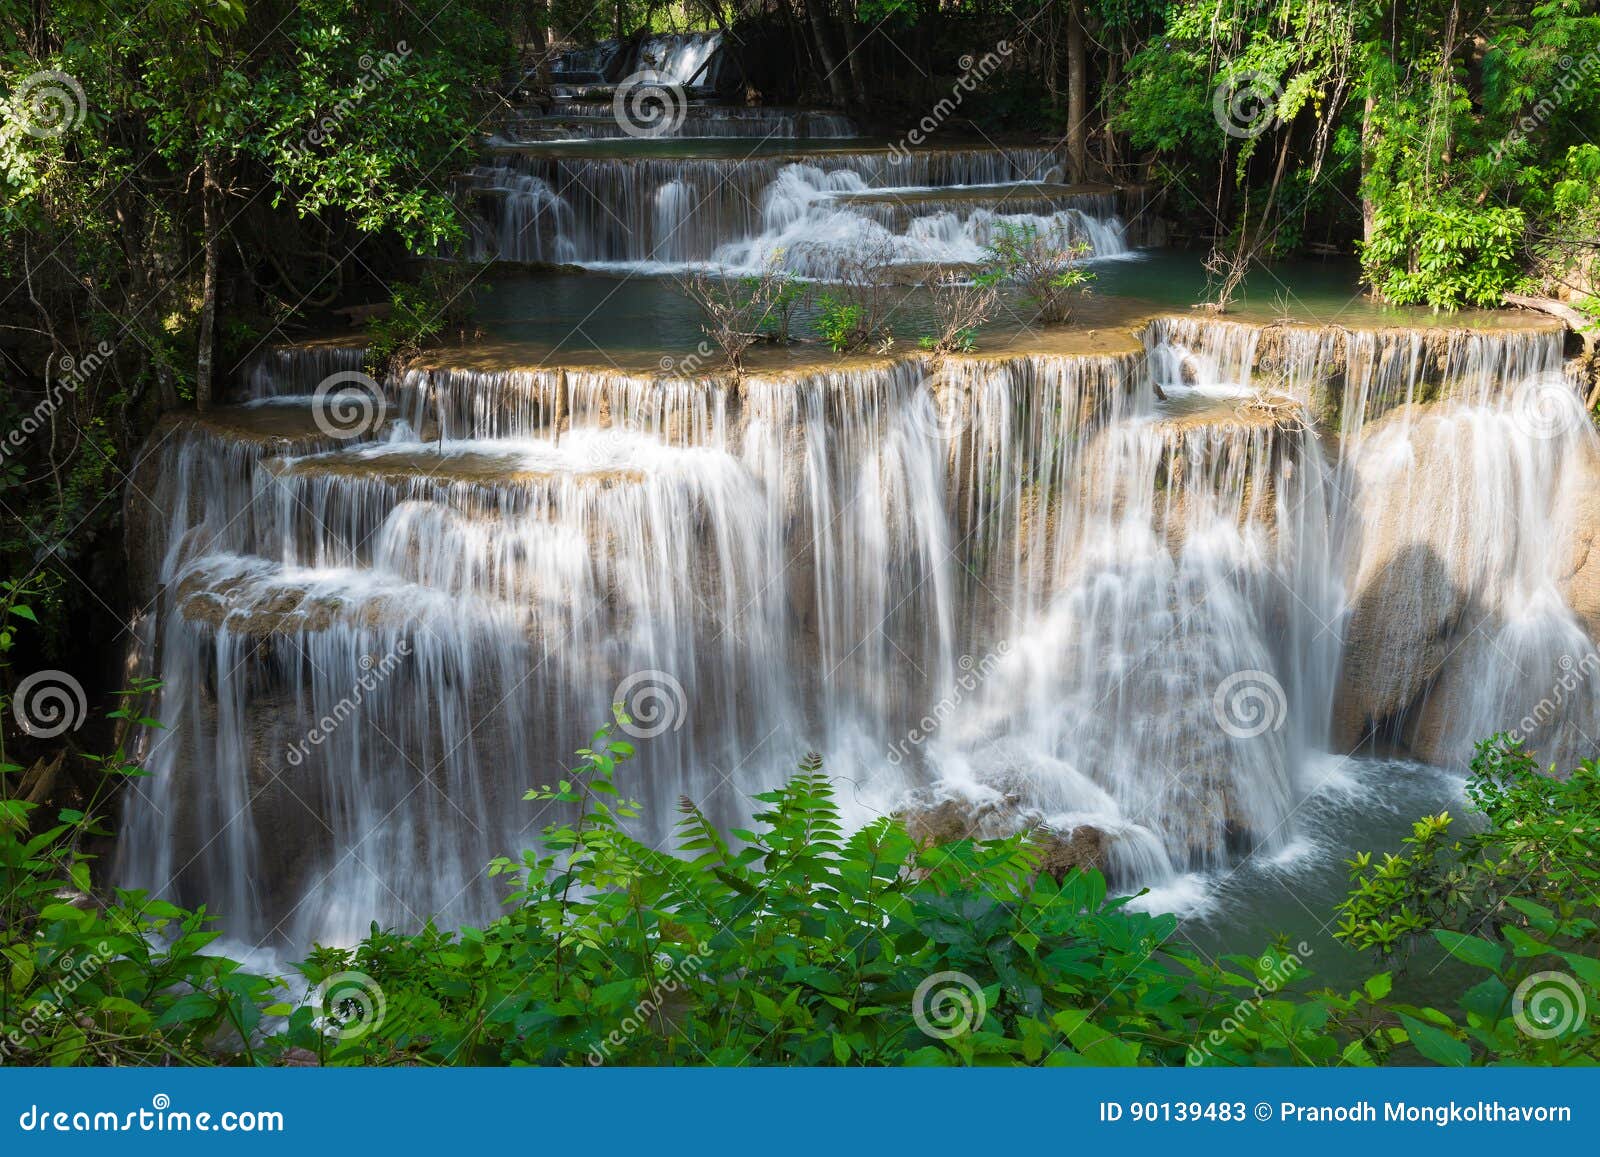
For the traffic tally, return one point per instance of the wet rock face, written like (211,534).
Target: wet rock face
(1474,600)
(936,822)
(1581,578)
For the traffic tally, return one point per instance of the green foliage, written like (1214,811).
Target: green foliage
(841,323)
(1047,268)
(419,315)
(1514,899)
(785,296)
(1462,172)
(89,980)
(794,942)
(298,143)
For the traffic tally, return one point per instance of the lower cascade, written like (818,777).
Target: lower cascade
(1146,599)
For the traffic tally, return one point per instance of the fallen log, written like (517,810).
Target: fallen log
(1584,327)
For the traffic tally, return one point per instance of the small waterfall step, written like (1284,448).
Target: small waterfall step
(742,204)
(584,120)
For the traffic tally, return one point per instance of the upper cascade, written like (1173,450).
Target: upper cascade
(815,211)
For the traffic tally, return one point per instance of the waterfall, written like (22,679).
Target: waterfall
(1147,593)
(566,121)
(290,371)
(936,207)
(680,59)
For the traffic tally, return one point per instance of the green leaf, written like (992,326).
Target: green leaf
(1474,950)
(1436,1044)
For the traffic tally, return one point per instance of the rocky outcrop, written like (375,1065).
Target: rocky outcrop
(935,822)
(1581,581)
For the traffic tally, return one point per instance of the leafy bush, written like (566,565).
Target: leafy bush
(740,311)
(118,981)
(1516,898)
(841,323)
(419,315)
(1439,250)
(795,943)
(1046,267)
(854,312)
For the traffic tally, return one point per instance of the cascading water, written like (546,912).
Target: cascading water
(814,214)
(681,59)
(1139,597)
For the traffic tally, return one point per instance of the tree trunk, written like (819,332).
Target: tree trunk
(852,54)
(1077,95)
(1052,57)
(817,12)
(1113,78)
(204,362)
